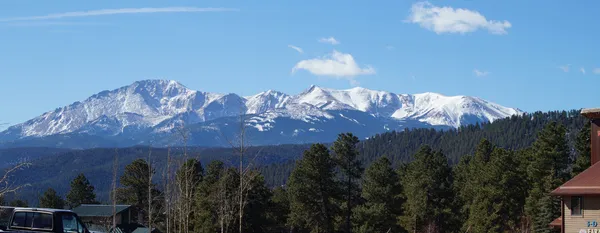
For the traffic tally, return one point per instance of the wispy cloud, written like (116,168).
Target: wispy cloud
(48,23)
(296,48)
(565,68)
(480,73)
(449,20)
(596,71)
(338,65)
(115,12)
(329,40)
(582,70)
(389,47)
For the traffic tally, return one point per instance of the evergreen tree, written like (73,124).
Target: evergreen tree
(50,199)
(582,146)
(18,203)
(345,155)
(205,219)
(494,207)
(462,188)
(82,192)
(547,170)
(428,191)
(382,193)
(279,210)
(136,180)
(256,218)
(312,191)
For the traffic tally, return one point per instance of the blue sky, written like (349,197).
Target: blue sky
(515,53)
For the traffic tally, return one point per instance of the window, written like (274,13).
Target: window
(22,220)
(42,221)
(71,224)
(576,205)
(27,220)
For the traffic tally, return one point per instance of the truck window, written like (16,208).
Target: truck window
(42,221)
(22,220)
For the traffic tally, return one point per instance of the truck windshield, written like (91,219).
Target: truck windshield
(71,224)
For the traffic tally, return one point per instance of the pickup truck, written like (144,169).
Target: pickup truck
(29,220)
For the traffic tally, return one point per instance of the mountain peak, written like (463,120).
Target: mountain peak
(148,103)
(159,83)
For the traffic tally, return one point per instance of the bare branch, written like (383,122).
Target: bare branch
(9,186)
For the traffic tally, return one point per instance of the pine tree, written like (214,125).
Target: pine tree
(494,207)
(82,192)
(462,188)
(382,193)
(345,155)
(312,191)
(18,203)
(205,219)
(427,187)
(279,210)
(582,146)
(256,218)
(135,180)
(50,199)
(547,170)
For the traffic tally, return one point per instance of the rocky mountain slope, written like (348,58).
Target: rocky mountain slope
(151,112)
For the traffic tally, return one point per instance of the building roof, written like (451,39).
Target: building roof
(591,112)
(586,183)
(557,222)
(99,210)
(143,230)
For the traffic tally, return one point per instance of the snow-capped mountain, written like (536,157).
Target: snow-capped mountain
(148,111)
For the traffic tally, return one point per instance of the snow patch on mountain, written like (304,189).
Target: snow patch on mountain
(159,106)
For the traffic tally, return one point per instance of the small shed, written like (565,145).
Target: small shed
(102,215)
(145,230)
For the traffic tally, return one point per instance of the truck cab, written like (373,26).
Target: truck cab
(40,220)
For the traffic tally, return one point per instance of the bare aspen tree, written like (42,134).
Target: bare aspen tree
(168,191)
(114,190)
(7,185)
(245,172)
(149,191)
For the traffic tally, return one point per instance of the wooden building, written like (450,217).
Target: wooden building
(580,196)
(99,218)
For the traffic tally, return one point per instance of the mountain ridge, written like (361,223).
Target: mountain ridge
(157,106)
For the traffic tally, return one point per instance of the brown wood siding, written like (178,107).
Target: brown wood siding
(590,212)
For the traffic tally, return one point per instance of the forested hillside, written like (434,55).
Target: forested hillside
(55,168)
(512,133)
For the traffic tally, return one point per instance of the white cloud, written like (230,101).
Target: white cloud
(337,64)
(329,40)
(116,12)
(596,71)
(296,48)
(389,47)
(480,73)
(449,20)
(565,68)
(582,70)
